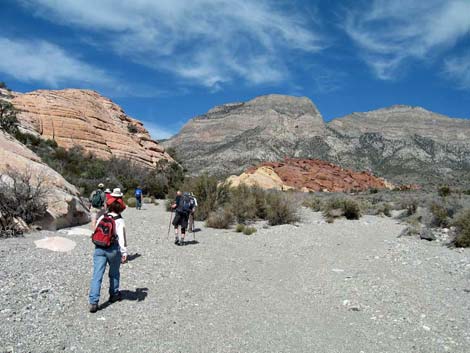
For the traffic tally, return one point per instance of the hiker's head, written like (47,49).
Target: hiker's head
(178,193)
(107,191)
(117,193)
(100,186)
(115,207)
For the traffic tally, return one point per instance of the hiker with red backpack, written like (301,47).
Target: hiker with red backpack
(183,207)
(110,242)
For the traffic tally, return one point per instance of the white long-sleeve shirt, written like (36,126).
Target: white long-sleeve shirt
(120,232)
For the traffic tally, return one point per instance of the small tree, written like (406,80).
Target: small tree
(8,120)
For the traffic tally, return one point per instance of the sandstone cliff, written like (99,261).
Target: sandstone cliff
(400,143)
(64,206)
(82,117)
(308,175)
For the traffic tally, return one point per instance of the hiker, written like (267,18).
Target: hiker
(117,195)
(109,238)
(182,207)
(138,198)
(193,211)
(107,194)
(97,200)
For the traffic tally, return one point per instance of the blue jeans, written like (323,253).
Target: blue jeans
(101,257)
(138,202)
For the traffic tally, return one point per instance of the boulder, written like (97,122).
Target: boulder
(64,206)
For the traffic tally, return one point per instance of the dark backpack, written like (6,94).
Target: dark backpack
(105,232)
(186,204)
(97,200)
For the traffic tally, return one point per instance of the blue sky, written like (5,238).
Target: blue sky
(166,61)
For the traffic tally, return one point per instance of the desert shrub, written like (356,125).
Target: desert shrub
(444,191)
(222,218)
(22,196)
(243,203)
(3,85)
(385,209)
(249,230)
(8,121)
(209,193)
(132,128)
(313,203)
(281,209)
(339,207)
(131,202)
(373,191)
(440,215)
(168,203)
(462,223)
(147,200)
(410,206)
(239,228)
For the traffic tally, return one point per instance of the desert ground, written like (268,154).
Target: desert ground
(350,286)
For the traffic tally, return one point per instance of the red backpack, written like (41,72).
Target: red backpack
(105,232)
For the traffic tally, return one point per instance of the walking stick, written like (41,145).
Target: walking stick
(169,226)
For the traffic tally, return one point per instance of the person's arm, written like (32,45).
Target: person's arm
(121,233)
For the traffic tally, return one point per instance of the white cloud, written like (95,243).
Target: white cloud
(458,69)
(391,32)
(209,42)
(158,132)
(41,61)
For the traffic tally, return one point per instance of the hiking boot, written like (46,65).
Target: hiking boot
(182,242)
(115,297)
(177,241)
(93,308)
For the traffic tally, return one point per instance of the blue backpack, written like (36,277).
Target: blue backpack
(138,193)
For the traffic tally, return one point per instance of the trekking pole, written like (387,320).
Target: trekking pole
(193,226)
(169,226)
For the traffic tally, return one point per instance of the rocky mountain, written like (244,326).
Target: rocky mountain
(85,118)
(307,175)
(401,143)
(64,205)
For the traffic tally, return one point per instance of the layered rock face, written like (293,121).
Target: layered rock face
(85,118)
(231,137)
(64,206)
(308,175)
(401,143)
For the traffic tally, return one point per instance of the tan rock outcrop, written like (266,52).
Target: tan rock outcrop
(308,175)
(85,118)
(64,206)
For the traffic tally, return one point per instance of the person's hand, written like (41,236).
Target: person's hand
(123,259)
(173,206)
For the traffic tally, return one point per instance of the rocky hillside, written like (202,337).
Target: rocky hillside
(307,175)
(64,205)
(401,143)
(83,117)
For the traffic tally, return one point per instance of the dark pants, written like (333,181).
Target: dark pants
(181,219)
(138,204)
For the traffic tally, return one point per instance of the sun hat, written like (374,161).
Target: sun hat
(101,185)
(117,192)
(107,191)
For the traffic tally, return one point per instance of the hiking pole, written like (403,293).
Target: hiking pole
(169,226)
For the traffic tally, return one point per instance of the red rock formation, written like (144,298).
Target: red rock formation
(317,175)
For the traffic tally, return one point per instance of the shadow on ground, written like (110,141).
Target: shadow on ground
(138,295)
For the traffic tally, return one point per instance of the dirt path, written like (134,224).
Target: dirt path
(351,286)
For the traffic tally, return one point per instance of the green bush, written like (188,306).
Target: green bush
(8,120)
(168,203)
(411,206)
(440,215)
(281,209)
(462,223)
(131,202)
(444,191)
(240,228)
(313,203)
(339,207)
(22,197)
(223,218)
(249,230)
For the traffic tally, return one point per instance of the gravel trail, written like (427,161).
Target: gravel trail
(350,286)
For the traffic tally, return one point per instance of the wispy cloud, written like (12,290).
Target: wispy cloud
(158,132)
(41,61)
(458,69)
(391,32)
(208,42)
